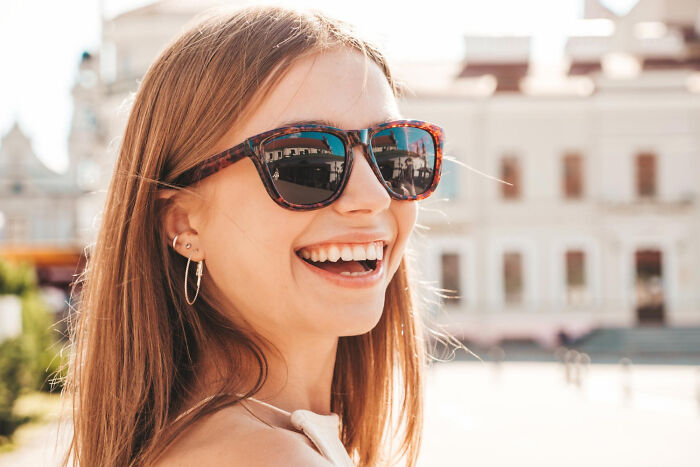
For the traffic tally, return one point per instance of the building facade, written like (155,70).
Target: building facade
(600,224)
(38,213)
(107,81)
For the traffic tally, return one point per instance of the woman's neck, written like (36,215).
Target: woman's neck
(300,375)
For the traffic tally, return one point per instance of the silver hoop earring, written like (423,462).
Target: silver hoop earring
(175,240)
(200,266)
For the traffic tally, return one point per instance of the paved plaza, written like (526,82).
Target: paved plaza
(524,414)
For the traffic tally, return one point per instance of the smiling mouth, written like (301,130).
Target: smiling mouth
(344,259)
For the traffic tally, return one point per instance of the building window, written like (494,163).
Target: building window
(575,277)
(572,176)
(646,175)
(510,172)
(125,68)
(450,278)
(512,277)
(16,229)
(87,119)
(649,286)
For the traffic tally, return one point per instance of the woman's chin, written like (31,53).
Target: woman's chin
(359,330)
(351,320)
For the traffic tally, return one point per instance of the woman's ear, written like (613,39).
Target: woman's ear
(176,221)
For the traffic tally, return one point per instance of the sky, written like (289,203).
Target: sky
(41,42)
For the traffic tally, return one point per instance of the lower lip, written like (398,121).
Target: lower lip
(368,280)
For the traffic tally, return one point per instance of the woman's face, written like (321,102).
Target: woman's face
(253,248)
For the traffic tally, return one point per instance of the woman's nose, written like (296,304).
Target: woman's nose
(363,193)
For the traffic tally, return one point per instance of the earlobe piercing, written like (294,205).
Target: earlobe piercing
(188,245)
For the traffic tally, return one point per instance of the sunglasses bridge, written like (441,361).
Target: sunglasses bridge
(360,138)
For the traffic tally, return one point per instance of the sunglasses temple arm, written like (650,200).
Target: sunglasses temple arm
(215,163)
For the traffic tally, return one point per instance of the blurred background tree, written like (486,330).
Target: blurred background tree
(31,361)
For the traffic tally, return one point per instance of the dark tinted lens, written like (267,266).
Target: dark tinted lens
(406,159)
(306,167)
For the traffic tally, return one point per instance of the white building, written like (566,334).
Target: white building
(37,205)
(601,226)
(107,80)
(38,213)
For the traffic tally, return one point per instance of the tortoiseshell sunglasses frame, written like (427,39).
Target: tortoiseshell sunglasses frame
(252,148)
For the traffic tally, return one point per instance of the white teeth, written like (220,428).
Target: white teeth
(358,253)
(370,252)
(333,253)
(348,273)
(346,253)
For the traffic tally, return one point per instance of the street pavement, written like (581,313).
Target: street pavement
(525,414)
(39,446)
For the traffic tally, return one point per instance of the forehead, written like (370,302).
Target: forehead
(341,87)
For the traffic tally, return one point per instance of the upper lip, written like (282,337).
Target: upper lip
(352,237)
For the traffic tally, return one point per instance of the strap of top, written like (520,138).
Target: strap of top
(282,411)
(207,399)
(322,430)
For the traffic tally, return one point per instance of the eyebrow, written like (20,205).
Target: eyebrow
(330,123)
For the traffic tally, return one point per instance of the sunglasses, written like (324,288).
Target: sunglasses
(306,167)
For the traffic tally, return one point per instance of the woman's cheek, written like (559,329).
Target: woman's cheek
(411,215)
(405,214)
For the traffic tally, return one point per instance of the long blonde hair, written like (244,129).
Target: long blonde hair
(135,340)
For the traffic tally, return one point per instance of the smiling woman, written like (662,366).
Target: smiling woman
(265,146)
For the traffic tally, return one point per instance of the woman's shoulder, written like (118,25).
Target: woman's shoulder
(232,436)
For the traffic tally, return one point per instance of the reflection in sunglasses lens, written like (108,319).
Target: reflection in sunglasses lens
(306,167)
(406,159)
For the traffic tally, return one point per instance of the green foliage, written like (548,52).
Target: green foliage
(16,279)
(39,342)
(31,360)
(13,377)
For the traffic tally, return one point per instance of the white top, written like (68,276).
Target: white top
(323,431)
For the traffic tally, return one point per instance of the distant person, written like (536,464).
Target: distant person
(226,317)
(564,339)
(407,182)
